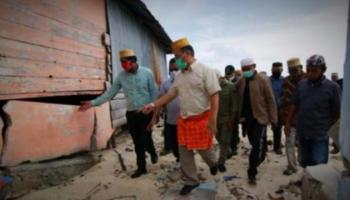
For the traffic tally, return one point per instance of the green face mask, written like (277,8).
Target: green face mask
(181,64)
(248,74)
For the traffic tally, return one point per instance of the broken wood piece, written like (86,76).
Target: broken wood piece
(274,198)
(121,160)
(92,189)
(123,197)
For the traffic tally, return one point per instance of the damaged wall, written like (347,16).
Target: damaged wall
(52,55)
(41,131)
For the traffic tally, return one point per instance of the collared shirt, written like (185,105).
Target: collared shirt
(172,108)
(139,89)
(317,105)
(228,100)
(277,88)
(194,88)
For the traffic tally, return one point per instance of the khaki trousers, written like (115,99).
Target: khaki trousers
(188,165)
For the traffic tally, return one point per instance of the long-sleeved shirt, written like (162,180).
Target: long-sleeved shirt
(317,104)
(277,88)
(139,88)
(228,100)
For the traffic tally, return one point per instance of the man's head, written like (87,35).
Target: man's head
(184,52)
(276,70)
(128,60)
(315,67)
(248,67)
(238,73)
(334,76)
(229,70)
(172,65)
(294,67)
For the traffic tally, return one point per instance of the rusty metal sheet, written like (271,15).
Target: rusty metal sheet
(43,131)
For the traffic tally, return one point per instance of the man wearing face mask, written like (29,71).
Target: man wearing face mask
(317,102)
(257,108)
(139,88)
(230,75)
(197,87)
(276,82)
(172,111)
(295,70)
(226,118)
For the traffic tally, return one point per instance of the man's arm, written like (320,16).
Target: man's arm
(109,94)
(289,120)
(336,103)
(271,103)
(165,99)
(214,106)
(152,87)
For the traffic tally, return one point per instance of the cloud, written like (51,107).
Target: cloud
(224,32)
(321,33)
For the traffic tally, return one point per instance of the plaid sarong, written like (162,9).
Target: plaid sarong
(193,133)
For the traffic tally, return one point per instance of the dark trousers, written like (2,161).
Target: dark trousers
(312,152)
(170,139)
(277,135)
(137,124)
(235,137)
(257,138)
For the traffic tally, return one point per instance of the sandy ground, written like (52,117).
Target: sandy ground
(107,180)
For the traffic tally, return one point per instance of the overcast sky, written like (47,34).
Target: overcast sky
(223,32)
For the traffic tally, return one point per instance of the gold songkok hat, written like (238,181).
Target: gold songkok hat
(293,62)
(178,44)
(126,53)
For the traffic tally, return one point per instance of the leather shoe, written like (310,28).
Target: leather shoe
(138,173)
(214,170)
(154,158)
(187,189)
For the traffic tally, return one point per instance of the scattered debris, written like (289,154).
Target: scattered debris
(274,198)
(121,160)
(229,178)
(242,194)
(128,149)
(123,197)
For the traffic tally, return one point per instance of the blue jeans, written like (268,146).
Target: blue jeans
(313,152)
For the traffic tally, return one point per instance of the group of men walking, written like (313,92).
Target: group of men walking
(201,105)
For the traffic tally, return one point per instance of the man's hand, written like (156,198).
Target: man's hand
(212,126)
(147,108)
(85,105)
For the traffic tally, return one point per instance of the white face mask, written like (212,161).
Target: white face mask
(173,74)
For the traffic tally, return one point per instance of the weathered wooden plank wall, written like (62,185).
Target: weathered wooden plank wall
(51,48)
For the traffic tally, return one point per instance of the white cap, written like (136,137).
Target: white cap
(247,62)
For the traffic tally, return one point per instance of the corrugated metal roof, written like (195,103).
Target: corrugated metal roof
(140,10)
